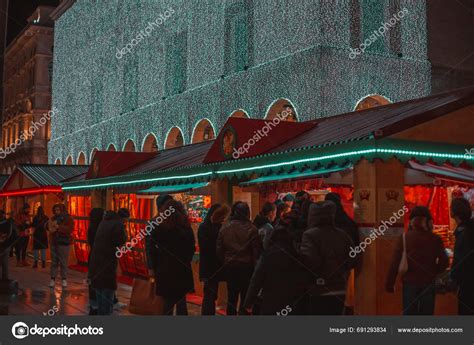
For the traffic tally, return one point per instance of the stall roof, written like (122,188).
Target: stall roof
(176,188)
(444,172)
(379,121)
(296,175)
(339,140)
(49,174)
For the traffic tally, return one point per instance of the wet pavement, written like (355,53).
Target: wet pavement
(35,297)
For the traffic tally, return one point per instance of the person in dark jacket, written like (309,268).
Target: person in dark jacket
(103,258)
(462,271)
(238,246)
(172,250)
(60,227)
(23,225)
(95,218)
(264,223)
(342,219)
(8,237)
(40,237)
(325,252)
(210,266)
(280,276)
(426,258)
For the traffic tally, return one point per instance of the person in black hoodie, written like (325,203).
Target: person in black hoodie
(40,236)
(325,252)
(209,264)
(103,258)
(462,271)
(172,248)
(342,219)
(95,217)
(280,276)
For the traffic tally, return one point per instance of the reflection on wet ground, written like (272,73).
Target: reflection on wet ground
(35,297)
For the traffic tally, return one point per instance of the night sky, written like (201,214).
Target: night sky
(18,13)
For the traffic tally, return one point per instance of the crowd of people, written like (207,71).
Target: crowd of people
(291,259)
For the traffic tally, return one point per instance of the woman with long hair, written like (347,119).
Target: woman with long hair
(40,237)
(172,247)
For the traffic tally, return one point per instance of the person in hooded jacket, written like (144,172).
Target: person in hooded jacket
(8,237)
(103,258)
(60,227)
(279,276)
(239,247)
(462,271)
(325,252)
(426,258)
(210,267)
(95,218)
(344,222)
(172,248)
(40,236)
(264,223)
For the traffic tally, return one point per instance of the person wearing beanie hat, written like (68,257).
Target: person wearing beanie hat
(289,199)
(426,259)
(108,246)
(325,251)
(462,271)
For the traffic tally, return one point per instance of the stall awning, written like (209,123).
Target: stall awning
(176,188)
(444,172)
(296,175)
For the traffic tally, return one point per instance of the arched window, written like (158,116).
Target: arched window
(371,101)
(69,160)
(240,113)
(58,161)
(174,138)
(282,108)
(150,144)
(112,148)
(129,146)
(81,159)
(203,131)
(93,153)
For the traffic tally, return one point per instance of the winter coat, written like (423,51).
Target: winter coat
(426,258)
(463,264)
(95,218)
(209,264)
(282,280)
(325,252)
(103,260)
(40,234)
(238,243)
(61,228)
(171,250)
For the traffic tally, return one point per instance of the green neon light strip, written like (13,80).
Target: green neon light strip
(305,160)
